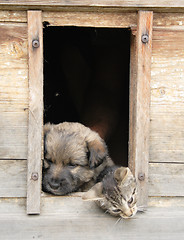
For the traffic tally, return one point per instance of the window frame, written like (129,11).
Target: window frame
(139,98)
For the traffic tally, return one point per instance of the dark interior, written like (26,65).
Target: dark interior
(86,80)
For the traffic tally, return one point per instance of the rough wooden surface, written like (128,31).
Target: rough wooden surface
(13,178)
(167,98)
(140,102)
(131,4)
(164,179)
(13,91)
(71,218)
(92,19)
(132,104)
(35,123)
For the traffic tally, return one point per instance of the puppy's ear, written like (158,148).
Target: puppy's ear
(97,152)
(46,129)
(46,164)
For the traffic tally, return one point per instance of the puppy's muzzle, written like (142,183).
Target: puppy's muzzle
(54,183)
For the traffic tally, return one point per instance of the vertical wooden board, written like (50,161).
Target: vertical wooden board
(35,46)
(140,94)
(132,103)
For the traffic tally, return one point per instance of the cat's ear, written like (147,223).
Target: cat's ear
(97,152)
(121,174)
(95,193)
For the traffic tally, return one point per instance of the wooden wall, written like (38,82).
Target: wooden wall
(167,113)
(166,160)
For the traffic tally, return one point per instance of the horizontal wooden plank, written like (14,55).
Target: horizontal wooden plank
(13,16)
(111,19)
(166,179)
(13,178)
(71,218)
(166,202)
(96,18)
(13,135)
(102,3)
(90,19)
(168,20)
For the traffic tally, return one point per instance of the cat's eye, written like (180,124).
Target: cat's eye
(116,210)
(131,200)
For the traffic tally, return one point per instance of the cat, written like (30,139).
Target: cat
(115,192)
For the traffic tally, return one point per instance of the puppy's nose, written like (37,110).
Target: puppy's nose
(54,184)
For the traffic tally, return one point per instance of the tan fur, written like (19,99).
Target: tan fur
(74,150)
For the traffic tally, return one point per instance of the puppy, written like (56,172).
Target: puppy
(74,158)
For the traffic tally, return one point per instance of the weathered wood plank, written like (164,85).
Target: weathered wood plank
(13,178)
(60,215)
(13,16)
(102,3)
(90,19)
(140,94)
(13,134)
(166,179)
(111,19)
(166,202)
(35,124)
(13,91)
(167,98)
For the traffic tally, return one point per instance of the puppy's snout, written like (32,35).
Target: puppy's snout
(54,183)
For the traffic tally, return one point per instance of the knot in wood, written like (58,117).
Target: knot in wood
(145,38)
(35,43)
(34,176)
(141,176)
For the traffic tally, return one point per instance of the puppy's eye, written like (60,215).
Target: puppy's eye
(72,165)
(131,200)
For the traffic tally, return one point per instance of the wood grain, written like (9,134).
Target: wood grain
(103,3)
(13,91)
(139,104)
(13,178)
(35,124)
(13,16)
(167,98)
(90,19)
(166,179)
(71,218)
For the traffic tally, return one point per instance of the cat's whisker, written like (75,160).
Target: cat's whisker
(119,219)
(141,209)
(106,211)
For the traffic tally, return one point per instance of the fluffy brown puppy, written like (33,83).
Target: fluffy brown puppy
(74,158)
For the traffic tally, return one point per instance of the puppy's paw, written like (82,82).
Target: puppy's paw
(97,153)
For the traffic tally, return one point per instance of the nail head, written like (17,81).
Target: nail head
(34,176)
(35,43)
(145,38)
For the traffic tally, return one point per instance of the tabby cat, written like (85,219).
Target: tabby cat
(115,192)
